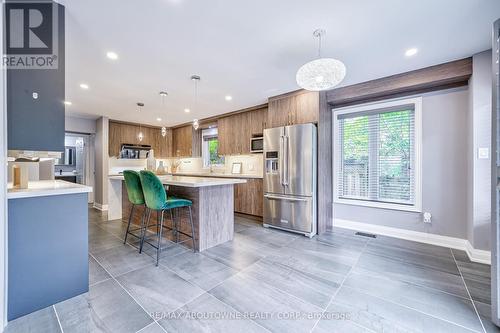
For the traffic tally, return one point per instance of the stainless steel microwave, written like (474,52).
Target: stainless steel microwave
(257,145)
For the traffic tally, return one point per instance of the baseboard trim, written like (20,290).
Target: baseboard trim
(475,255)
(100,207)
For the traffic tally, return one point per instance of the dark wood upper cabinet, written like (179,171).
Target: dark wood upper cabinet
(182,138)
(236,130)
(120,133)
(293,108)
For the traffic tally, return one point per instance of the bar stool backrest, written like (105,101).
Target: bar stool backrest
(134,187)
(154,192)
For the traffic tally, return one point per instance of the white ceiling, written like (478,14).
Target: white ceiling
(248,49)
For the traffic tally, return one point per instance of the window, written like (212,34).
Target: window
(377,155)
(210,148)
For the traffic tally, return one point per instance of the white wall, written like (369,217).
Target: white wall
(101,163)
(80,125)
(479,172)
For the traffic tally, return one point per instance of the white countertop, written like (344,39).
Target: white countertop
(42,188)
(207,174)
(217,175)
(193,181)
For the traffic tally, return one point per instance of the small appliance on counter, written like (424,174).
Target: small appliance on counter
(290,155)
(131,151)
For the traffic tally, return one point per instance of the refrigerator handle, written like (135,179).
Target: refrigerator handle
(287,181)
(280,161)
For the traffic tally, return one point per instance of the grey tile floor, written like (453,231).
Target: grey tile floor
(272,281)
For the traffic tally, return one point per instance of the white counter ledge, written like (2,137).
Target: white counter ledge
(43,188)
(186,181)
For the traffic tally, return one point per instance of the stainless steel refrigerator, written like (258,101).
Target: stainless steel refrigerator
(290,155)
(495,177)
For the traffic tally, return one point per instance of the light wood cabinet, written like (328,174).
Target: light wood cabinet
(120,133)
(294,108)
(182,138)
(248,197)
(235,131)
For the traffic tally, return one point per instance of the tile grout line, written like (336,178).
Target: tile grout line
(410,308)
(57,316)
(147,313)
(142,329)
(340,287)
(468,292)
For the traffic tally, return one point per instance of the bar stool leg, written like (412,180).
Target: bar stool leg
(174,229)
(178,222)
(192,228)
(128,225)
(145,230)
(158,250)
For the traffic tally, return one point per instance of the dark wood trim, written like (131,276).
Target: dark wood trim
(290,93)
(205,121)
(325,186)
(455,73)
(134,124)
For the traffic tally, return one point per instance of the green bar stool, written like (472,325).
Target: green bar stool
(136,198)
(156,199)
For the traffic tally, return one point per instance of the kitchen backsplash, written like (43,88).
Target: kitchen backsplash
(251,164)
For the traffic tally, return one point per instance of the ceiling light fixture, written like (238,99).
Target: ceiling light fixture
(163,94)
(112,55)
(140,136)
(322,73)
(67,103)
(228,98)
(84,86)
(411,52)
(196,79)
(187,110)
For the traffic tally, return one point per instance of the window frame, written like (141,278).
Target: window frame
(215,135)
(336,153)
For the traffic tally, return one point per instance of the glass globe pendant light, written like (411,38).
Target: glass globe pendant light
(163,94)
(195,79)
(322,73)
(140,136)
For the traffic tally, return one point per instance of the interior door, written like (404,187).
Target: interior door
(300,153)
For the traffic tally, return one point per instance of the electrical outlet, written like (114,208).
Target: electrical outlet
(427,217)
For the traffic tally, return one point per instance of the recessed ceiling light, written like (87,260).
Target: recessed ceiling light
(228,98)
(112,55)
(158,119)
(84,86)
(411,52)
(67,103)
(187,110)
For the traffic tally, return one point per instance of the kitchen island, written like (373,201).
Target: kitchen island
(47,244)
(213,205)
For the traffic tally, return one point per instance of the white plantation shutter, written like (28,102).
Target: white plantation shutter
(376,155)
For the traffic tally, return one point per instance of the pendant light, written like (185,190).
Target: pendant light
(163,94)
(140,136)
(322,73)
(195,79)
